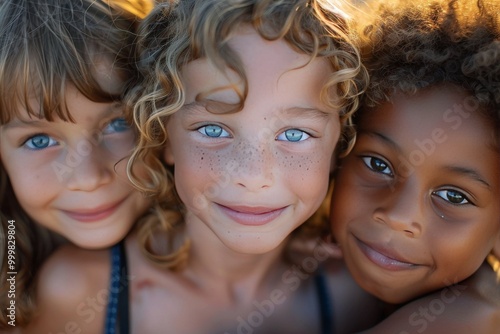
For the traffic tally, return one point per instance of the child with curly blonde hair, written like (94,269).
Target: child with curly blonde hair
(415,205)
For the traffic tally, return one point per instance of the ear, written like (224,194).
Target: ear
(168,155)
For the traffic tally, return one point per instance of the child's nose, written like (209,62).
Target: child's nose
(90,170)
(254,167)
(402,210)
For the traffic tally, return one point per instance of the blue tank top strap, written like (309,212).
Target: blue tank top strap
(325,303)
(123,308)
(117,309)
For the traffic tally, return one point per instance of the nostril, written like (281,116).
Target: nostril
(409,233)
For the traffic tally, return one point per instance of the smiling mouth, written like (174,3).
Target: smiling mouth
(93,215)
(251,216)
(384,258)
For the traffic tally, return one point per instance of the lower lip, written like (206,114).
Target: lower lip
(93,217)
(251,219)
(382,260)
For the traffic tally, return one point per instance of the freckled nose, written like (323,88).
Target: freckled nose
(254,169)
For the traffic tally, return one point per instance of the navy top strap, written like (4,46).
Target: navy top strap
(117,309)
(123,308)
(325,304)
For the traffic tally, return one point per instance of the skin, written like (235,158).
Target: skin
(70,177)
(472,305)
(415,203)
(236,259)
(241,178)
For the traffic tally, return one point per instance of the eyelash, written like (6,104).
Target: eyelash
(121,126)
(464,200)
(456,192)
(116,125)
(284,134)
(368,161)
(216,131)
(31,146)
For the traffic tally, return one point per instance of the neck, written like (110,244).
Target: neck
(230,276)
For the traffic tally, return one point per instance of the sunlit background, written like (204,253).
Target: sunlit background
(139,8)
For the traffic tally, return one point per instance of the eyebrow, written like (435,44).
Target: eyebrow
(382,137)
(468,172)
(23,123)
(303,112)
(33,122)
(300,112)
(194,108)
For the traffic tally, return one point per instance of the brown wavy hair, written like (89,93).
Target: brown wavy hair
(178,32)
(44,46)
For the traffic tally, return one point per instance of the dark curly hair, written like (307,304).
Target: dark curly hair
(409,47)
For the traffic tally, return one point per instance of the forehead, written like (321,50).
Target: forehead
(269,66)
(34,96)
(108,76)
(436,133)
(446,111)
(79,108)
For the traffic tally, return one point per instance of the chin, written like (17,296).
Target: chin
(253,245)
(94,243)
(393,296)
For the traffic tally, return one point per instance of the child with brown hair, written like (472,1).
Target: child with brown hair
(64,66)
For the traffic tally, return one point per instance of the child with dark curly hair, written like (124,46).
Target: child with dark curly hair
(415,206)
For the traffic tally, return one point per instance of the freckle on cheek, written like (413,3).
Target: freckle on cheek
(200,157)
(207,161)
(294,162)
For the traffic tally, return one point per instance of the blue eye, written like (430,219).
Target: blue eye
(117,125)
(452,196)
(377,165)
(293,135)
(213,131)
(39,142)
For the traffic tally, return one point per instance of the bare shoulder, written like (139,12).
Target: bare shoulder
(432,314)
(73,268)
(72,291)
(349,299)
(458,308)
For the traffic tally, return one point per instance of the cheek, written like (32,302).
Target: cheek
(308,173)
(302,166)
(200,162)
(340,212)
(32,187)
(461,255)
(348,203)
(199,172)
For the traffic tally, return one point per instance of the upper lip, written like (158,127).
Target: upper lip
(256,210)
(386,251)
(95,210)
